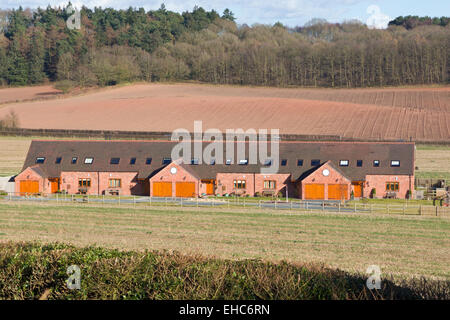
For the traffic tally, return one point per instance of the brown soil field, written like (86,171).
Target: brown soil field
(421,114)
(8,95)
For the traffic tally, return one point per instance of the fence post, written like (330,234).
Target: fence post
(119,199)
(404,209)
(259,203)
(355,208)
(437,208)
(134,201)
(339,207)
(103,199)
(323,205)
(181,202)
(57,199)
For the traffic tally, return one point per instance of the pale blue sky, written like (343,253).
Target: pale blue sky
(289,12)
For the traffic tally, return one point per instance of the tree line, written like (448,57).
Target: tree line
(115,46)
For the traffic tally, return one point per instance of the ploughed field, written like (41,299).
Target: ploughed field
(422,114)
(9,95)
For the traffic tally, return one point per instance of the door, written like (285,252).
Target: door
(314,191)
(185,189)
(54,185)
(209,186)
(357,189)
(29,186)
(162,189)
(337,192)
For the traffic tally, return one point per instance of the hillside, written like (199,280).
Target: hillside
(421,114)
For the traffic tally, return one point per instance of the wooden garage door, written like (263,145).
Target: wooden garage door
(29,186)
(162,189)
(314,191)
(357,187)
(337,192)
(185,189)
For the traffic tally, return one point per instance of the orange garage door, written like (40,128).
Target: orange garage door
(162,189)
(185,189)
(29,186)
(337,192)
(314,191)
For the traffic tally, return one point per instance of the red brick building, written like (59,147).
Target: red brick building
(307,170)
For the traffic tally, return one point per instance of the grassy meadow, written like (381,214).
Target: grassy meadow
(403,246)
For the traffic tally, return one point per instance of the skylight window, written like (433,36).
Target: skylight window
(343,163)
(88,160)
(194,161)
(167,160)
(395,163)
(243,162)
(133,161)
(315,162)
(284,162)
(74,160)
(40,160)
(376,163)
(114,161)
(359,163)
(268,162)
(228,162)
(148,161)
(58,160)
(300,162)
(213,161)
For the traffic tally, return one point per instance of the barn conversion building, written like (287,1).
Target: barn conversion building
(307,170)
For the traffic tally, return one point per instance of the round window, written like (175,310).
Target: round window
(326,172)
(173,170)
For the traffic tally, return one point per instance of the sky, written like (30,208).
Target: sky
(375,13)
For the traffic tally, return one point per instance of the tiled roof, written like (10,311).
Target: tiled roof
(103,151)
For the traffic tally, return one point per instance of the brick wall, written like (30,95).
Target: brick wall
(181,175)
(317,177)
(379,183)
(30,174)
(100,182)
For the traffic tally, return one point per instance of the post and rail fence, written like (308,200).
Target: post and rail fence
(232,202)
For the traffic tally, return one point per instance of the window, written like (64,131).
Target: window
(167,160)
(114,161)
(212,162)
(299,162)
(88,160)
(194,161)
(269,184)
(228,162)
(133,161)
(284,162)
(239,184)
(148,161)
(74,160)
(40,160)
(392,186)
(115,183)
(395,163)
(243,162)
(343,163)
(359,163)
(376,163)
(315,162)
(58,160)
(86,183)
(268,162)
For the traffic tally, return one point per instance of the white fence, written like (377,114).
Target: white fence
(300,205)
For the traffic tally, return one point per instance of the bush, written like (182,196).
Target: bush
(373,193)
(65,85)
(28,270)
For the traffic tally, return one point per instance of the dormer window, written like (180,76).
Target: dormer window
(300,163)
(212,162)
(88,160)
(376,163)
(359,163)
(58,160)
(284,162)
(148,161)
(268,162)
(40,160)
(167,160)
(74,160)
(315,162)
(133,161)
(114,161)
(228,162)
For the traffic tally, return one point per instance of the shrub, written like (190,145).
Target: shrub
(65,85)
(373,193)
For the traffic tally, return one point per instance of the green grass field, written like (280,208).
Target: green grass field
(403,246)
